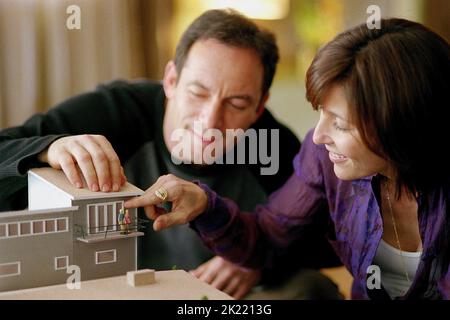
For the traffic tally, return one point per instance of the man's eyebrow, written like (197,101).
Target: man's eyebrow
(245,97)
(198,84)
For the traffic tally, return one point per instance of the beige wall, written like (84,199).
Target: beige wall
(287,99)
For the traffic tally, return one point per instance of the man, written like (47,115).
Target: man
(219,79)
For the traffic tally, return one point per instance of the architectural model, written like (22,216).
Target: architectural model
(65,226)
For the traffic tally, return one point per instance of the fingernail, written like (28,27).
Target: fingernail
(159,225)
(94,187)
(116,187)
(105,188)
(78,185)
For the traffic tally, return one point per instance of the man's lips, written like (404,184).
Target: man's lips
(204,139)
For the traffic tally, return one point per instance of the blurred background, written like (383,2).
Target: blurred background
(42,62)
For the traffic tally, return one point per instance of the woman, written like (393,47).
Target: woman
(375,159)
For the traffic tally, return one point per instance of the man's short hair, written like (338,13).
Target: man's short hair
(231,28)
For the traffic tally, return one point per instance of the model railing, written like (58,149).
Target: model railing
(136,225)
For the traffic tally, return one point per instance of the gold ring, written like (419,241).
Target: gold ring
(161,193)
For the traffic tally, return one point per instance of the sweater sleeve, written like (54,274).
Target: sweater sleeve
(255,239)
(115,111)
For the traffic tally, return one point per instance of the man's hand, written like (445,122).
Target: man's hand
(93,155)
(188,201)
(228,277)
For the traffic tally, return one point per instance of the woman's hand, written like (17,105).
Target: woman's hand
(188,201)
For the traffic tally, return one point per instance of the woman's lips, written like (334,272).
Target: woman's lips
(336,158)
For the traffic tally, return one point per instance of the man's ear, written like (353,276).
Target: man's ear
(170,79)
(262,105)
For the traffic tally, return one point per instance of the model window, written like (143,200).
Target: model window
(38,226)
(2,230)
(61,224)
(110,217)
(10,269)
(61,262)
(13,229)
(102,217)
(25,228)
(50,226)
(108,256)
(92,219)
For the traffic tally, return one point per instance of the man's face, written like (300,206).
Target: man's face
(219,88)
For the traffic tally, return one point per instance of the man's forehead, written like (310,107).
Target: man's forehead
(237,68)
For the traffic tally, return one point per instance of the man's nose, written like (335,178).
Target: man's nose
(212,115)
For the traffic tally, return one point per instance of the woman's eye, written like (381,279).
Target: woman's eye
(340,128)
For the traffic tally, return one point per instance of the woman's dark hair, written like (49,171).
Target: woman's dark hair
(397,84)
(231,28)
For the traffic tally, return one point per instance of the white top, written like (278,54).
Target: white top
(58,180)
(393,277)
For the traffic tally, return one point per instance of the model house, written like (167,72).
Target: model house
(65,226)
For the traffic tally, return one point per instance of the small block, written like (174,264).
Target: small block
(141,277)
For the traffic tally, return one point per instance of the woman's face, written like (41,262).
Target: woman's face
(350,157)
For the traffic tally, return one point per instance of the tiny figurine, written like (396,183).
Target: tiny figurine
(124,221)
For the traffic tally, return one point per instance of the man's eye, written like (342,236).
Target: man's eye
(196,94)
(238,104)
(237,107)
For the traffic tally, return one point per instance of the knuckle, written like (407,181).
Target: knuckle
(99,136)
(91,177)
(84,157)
(84,137)
(70,144)
(115,160)
(163,178)
(66,160)
(100,157)
(182,190)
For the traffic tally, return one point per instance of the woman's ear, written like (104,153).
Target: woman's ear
(170,79)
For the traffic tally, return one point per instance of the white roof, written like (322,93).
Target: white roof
(58,179)
(8,214)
